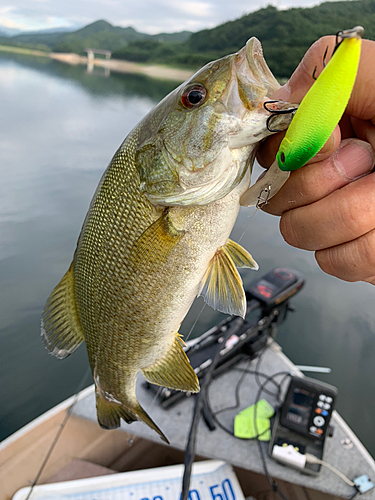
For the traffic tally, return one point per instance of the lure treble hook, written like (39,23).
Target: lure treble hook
(355,32)
(274,113)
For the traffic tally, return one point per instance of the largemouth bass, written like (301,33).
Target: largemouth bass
(156,234)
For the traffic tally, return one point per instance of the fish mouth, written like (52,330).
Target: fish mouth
(253,84)
(258,67)
(252,77)
(281,112)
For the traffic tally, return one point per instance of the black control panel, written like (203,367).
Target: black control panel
(308,407)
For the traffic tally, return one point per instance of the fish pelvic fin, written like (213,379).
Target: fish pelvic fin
(173,370)
(60,327)
(109,414)
(222,287)
(240,256)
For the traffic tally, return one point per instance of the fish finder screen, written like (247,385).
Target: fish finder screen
(300,408)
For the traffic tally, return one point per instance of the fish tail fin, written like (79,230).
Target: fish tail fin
(110,412)
(60,327)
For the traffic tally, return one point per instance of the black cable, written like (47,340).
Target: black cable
(233,407)
(269,478)
(237,390)
(257,370)
(279,399)
(353,496)
(245,371)
(201,399)
(265,468)
(231,433)
(199,402)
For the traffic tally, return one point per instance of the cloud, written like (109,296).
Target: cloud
(151,16)
(192,9)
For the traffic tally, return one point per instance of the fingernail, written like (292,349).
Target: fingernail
(354,158)
(283,93)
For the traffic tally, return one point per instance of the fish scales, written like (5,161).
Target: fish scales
(157,235)
(118,217)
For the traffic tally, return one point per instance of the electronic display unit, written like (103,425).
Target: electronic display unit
(308,407)
(299,411)
(303,419)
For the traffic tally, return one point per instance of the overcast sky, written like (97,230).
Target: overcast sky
(150,16)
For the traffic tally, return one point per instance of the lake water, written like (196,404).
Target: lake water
(59,127)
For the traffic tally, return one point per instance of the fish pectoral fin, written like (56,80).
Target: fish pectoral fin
(173,370)
(61,329)
(240,256)
(221,286)
(155,244)
(109,414)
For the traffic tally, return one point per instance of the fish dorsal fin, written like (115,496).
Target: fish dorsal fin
(222,286)
(156,242)
(240,256)
(61,328)
(173,370)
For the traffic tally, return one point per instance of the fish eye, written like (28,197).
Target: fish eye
(282,158)
(194,96)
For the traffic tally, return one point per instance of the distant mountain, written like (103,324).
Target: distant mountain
(50,30)
(98,35)
(285,36)
(97,27)
(48,40)
(179,37)
(5,31)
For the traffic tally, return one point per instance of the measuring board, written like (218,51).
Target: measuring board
(211,480)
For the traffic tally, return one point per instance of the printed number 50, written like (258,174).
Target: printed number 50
(226,489)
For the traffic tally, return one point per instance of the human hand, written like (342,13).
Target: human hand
(328,206)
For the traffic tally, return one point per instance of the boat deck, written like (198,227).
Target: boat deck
(353,460)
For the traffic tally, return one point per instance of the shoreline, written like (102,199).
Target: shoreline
(116,65)
(23,50)
(120,66)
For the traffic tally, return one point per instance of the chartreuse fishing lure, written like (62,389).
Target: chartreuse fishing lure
(323,105)
(315,119)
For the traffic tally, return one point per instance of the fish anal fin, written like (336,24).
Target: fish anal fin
(222,287)
(240,256)
(109,414)
(155,244)
(61,329)
(173,370)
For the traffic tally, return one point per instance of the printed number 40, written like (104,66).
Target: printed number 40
(228,493)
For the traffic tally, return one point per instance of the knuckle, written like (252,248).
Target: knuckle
(339,262)
(327,261)
(367,252)
(370,280)
(289,229)
(352,261)
(307,186)
(352,218)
